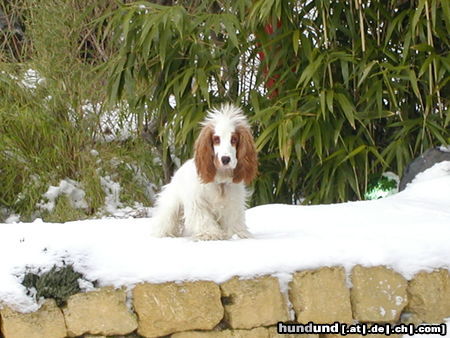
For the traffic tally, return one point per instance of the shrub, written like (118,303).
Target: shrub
(336,90)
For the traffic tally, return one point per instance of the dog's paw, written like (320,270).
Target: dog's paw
(243,234)
(210,236)
(239,232)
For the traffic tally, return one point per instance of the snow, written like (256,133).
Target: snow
(75,194)
(70,188)
(31,79)
(113,207)
(12,218)
(284,279)
(112,194)
(116,124)
(408,232)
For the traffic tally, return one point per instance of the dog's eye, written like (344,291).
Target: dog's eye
(216,140)
(234,139)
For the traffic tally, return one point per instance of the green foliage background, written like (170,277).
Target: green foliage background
(336,91)
(46,132)
(344,88)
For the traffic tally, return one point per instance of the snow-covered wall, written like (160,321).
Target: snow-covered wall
(254,307)
(380,261)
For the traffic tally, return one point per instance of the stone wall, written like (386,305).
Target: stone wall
(240,307)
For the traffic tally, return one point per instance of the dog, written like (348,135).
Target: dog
(207,196)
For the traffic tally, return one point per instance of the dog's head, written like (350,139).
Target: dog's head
(226,145)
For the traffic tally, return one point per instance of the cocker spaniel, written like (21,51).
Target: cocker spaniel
(206,198)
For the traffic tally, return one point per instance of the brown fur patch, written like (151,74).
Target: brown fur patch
(247,165)
(204,155)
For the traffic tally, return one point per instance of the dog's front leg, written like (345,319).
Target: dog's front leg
(233,217)
(201,224)
(234,223)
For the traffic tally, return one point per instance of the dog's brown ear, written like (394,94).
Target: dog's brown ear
(204,155)
(247,158)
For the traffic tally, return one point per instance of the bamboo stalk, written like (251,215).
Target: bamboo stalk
(432,68)
(378,27)
(430,42)
(361,25)
(326,43)
(353,51)
(325,33)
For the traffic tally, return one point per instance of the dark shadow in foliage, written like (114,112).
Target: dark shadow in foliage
(12,33)
(58,283)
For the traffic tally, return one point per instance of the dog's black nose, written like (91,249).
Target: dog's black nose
(225,160)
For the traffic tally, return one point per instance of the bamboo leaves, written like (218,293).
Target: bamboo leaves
(336,90)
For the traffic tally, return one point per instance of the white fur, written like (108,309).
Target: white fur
(206,211)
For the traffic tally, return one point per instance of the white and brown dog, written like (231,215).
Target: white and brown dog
(206,198)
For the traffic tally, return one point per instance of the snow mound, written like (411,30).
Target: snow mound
(67,187)
(408,232)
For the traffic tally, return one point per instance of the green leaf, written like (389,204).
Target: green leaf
(366,72)
(187,77)
(413,81)
(255,101)
(318,140)
(322,97)
(306,47)
(406,43)
(337,130)
(265,136)
(347,108)
(178,14)
(416,16)
(203,83)
(353,153)
(397,21)
(330,98)
(423,47)
(345,74)
(446,13)
(126,22)
(231,28)
(163,42)
(425,65)
(295,40)
(310,71)
(379,157)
